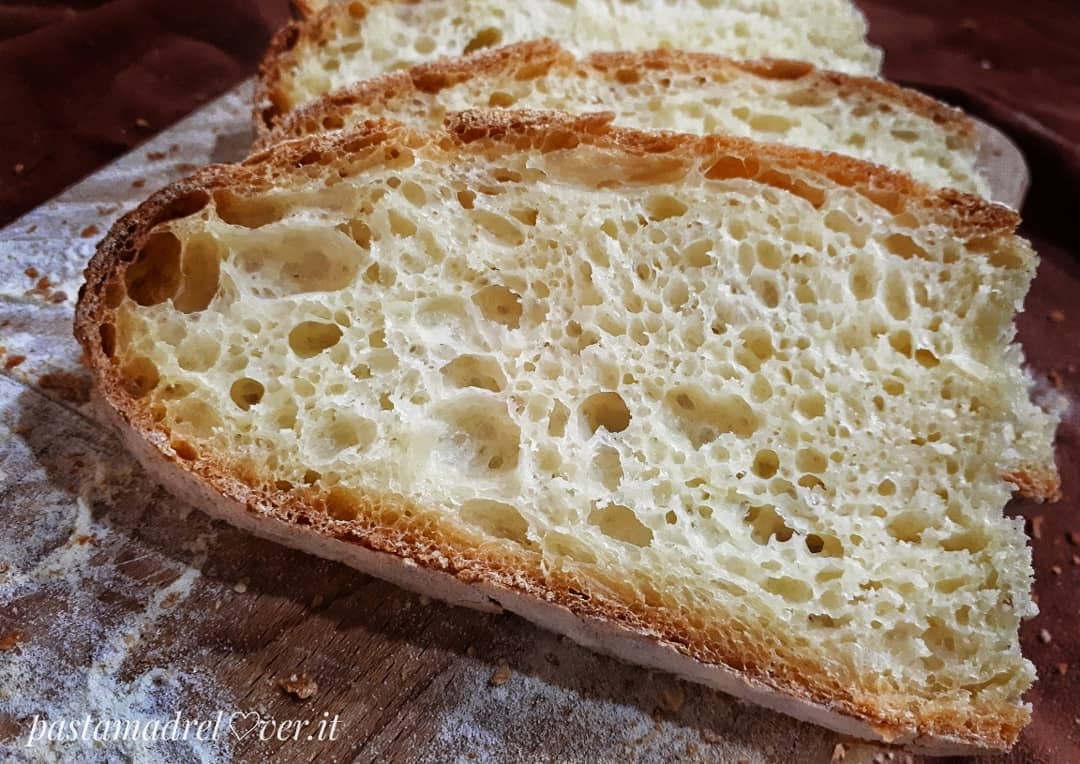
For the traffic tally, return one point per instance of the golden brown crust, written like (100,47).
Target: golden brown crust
(1036,484)
(535,59)
(379,523)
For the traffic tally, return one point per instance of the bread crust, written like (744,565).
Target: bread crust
(446,563)
(538,58)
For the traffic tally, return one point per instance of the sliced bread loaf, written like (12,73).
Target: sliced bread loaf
(768,100)
(738,411)
(349,42)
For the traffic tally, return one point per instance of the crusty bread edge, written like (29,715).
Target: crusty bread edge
(544,54)
(599,634)
(516,131)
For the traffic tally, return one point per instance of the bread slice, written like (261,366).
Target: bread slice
(737,411)
(768,100)
(345,43)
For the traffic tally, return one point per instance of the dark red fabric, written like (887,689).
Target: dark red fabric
(83,82)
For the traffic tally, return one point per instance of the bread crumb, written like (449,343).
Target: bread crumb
(1056,379)
(1037,526)
(1056,570)
(58,297)
(839,753)
(1073,537)
(19,168)
(142,123)
(1044,636)
(90,230)
(32,272)
(1076,559)
(10,640)
(985,64)
(300,686)
(13,361)
(1056,316)
(138,183)
(240,586)
(470,651)
(1063,668)
(501,675)
(672,699)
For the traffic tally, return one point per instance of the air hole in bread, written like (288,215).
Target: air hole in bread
(811,460)
(766,463)
(200,275)
(310,338)
(337,431)
(791,589)
(485,38)
(182,206)
(608,467)
(561,545)
(766,524)
(732,167)
(503,229)
(771,123)
(499,304)
(154,276)
(184,450)
(557,420)
(824,545)
(501,100)
(664,206)
(619,522)
(475,371)
(332,122)
(811,405)
(107,335)
(247,212)
(908,526)
(605,410)
(496,519)
(139,376)
(400,225)
(115,292)
(703,417)
(198,352)
(194,417)
(359,232)
(246,392)
(480,437)
(927,358)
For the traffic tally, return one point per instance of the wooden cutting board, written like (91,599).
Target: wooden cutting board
(118,602)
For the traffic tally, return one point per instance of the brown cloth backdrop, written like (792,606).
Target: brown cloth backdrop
(83,82)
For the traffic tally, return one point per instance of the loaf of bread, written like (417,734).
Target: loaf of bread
(345,43)
(782,101)
(742,412)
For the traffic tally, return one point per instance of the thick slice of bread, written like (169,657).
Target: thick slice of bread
(739,411)
(346,43)
(699,93)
